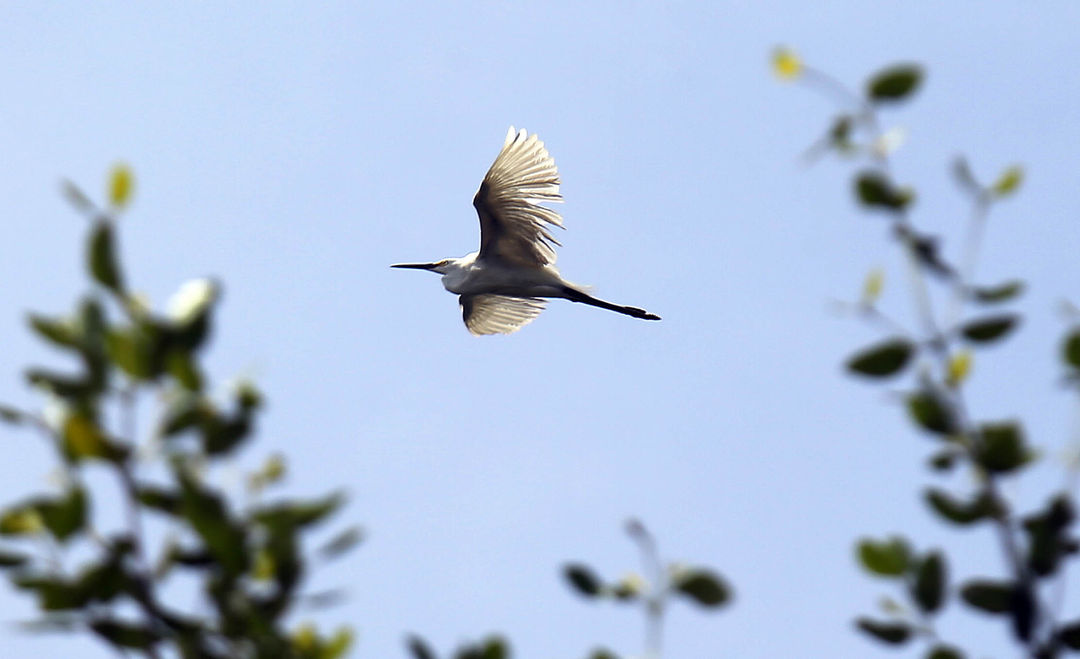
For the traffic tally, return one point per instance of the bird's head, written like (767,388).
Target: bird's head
(440,267)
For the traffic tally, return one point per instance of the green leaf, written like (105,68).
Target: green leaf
(583,579)
(221,435)
(944,652)
(339,644)
(704,587)
(888,558)
(931,411)
(874,190)
(944,460)
(627,589)
(1002,448)
(159,499)
(1048,541)
(184,370)
(883,359)
(491,648)
(419,648)
(82,438)
(929,587)
(964,178)
(21,520)
(248,396)
(294,514)
(54,593)
(927,249)
(893,633)
(64,517)
(342,543)
(1071,349)
(10,414)
(495,648)
(190,557)
(1009,181)
(184,414)
(840,133)
(989,596)
(1001,293)
(1069,635)
(961,513)
(1023,609)
(990,328)
(127,352)
(208,516)
(272,471)
(76,197)
(61,333)
(101,257)
(894,83)
(125,635)
(138,349)
(12,559)
(68,387)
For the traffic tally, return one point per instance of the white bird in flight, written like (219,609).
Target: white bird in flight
(502,285)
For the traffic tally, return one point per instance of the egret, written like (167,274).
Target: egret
(502,286)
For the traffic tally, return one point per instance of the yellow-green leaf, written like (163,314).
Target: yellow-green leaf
(83,439)
(959,368)
(21,521)
(264,568)
(872,286)
(305,639)
(338,644)
(272,471)
(121,185)
(1009,181)
(786,64)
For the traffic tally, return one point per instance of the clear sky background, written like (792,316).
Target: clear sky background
(296,150)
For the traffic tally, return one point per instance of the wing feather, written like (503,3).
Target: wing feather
(513,224)
(498,314)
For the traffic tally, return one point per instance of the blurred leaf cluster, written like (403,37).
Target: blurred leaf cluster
(938,357)
(698,585)
(662,582)
(247,561)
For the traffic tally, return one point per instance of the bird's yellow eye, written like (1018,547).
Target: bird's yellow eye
(442,263)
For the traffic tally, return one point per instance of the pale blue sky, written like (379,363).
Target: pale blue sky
(296,150)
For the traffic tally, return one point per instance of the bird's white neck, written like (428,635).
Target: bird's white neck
(456,272)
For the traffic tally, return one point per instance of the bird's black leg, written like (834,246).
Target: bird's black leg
(575,295)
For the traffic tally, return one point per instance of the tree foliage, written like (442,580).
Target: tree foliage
(937,359)
(247,560)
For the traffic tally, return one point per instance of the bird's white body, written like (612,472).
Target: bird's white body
(501,286)
(470,276)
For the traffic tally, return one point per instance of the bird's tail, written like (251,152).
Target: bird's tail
(576,295)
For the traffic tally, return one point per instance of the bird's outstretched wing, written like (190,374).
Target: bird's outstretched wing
(513,224)
(498,314)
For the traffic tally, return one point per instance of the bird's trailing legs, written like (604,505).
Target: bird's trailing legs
(575,295)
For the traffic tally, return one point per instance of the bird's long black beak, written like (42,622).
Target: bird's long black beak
(415,266)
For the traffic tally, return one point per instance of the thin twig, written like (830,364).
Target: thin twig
(961,285)
(654,604)
(131,490)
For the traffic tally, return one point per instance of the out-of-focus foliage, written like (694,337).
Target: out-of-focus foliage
(248,559)
(1035,545)
(665,582)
